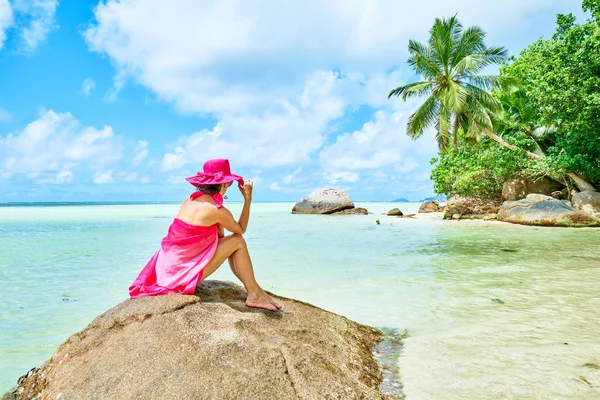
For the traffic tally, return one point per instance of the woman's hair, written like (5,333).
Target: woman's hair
(210,189)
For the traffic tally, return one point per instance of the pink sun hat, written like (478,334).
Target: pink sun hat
(215,172)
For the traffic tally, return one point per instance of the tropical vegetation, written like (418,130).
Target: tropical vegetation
(539,116)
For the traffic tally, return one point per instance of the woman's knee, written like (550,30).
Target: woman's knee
(239,240)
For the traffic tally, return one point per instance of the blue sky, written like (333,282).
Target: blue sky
(120,100)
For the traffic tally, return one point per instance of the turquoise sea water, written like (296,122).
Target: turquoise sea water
(494,311)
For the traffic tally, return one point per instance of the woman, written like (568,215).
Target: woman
(196,244)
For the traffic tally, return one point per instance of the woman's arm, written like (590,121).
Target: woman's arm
(225,217)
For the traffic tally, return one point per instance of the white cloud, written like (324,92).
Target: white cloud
(88,85)
(278,187)
(38,20)
(346,176)
(141,152)
(56,142)
(379,143)
(61,178)
(244,54)
(5,116)
(289,178)
(176,160)
(284,135)
(103,177)
(128,176)
(407,165)
(6,20)
(254,176)
(118,83)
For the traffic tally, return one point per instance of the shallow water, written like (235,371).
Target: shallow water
(494,311)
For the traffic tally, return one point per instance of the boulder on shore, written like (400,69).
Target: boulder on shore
(211,346)
(517,189)
(324,201)
(544,213)
(395,212)
(353,211)
(535,197)
(471,205)
(430,206)
(587,201)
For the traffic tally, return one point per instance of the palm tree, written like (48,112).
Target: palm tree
(458,97)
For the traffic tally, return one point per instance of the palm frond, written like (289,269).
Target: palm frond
(471,42)
(478,112)
(472,63)
(423,61)
(411,90)
(455,97)
(423,118)
(483,97)
(442,40)
(482,81)
(543,132)
(443,128)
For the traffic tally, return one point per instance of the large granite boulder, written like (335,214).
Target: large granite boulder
(471,205)
(324,201)
(517,189)
(211,346)
(395,212)
(547,212)
(430,206)
(587,201)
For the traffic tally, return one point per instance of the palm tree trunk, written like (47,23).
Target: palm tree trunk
(455,132)
(579,181)
(581,184)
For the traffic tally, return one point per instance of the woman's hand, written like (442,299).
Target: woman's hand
(246,189)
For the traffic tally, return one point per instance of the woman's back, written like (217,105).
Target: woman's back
(200,209)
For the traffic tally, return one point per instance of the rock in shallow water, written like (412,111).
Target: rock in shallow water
(353,211)
(395,212)
(430,206)
(211,346)
(324,201)
(544,213)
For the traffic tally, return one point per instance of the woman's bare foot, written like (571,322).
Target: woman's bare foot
(273,302)
(262,300)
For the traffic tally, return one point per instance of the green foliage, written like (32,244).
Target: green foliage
(450,65)
(561,78)
(593,6)
(481,170)
(555,113)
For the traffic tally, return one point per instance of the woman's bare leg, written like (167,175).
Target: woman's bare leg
(232,265)
(233,247)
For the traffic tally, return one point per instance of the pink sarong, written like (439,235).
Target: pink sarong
(178,266)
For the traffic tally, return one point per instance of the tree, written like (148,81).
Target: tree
(561,78)
(551,73)
(458,97)
(479,171)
